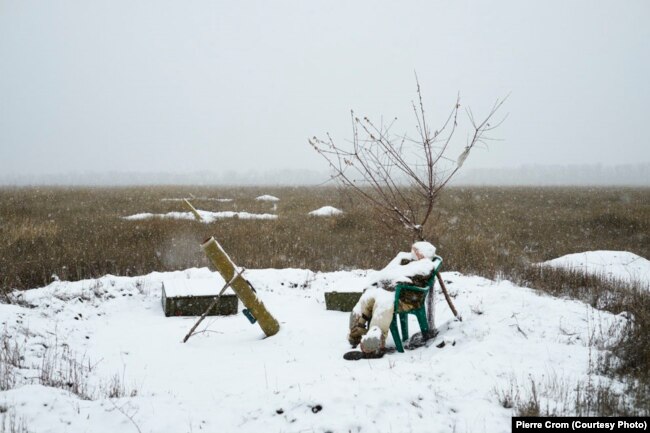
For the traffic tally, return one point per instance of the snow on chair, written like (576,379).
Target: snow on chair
(420,312)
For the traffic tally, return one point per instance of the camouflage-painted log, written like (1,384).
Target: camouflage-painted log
(192,209)
(240,286)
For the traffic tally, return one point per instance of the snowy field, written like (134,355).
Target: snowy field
(232,379)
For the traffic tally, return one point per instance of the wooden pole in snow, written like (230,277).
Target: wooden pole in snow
(448,298)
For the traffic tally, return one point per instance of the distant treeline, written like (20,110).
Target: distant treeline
(559,175)
(526,175)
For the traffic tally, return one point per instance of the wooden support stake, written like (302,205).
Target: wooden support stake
(207,311)
(448,298)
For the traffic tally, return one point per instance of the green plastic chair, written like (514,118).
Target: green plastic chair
(419,312)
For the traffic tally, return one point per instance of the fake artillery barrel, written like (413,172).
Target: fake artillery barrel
(240,286)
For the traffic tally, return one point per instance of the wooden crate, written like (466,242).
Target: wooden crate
(341,301)
(191,297)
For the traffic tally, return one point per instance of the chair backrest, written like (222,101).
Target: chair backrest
(437,263)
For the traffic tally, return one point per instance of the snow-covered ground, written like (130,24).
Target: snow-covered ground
(620,265)
(232,379)
(206,216)
(326,211)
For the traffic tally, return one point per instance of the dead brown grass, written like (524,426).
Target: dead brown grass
(488,230)
(79,233)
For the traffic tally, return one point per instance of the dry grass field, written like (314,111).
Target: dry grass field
(79,233)
(494,232)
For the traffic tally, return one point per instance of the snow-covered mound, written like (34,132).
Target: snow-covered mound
(620,265)
(230,378)
(326,211)
(267,197)
(206,216)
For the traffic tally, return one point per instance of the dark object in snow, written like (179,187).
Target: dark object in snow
(279,411)
(441,345)
(341,301)
(195,305)
(416,341)
(355,355)
(317,408)
(249,316)
(431,333)
(420,339)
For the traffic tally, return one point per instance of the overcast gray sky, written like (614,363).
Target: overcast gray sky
(208,85)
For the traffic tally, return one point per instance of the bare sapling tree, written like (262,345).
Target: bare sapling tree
(401,176)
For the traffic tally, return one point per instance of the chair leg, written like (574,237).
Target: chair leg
(421,314)
(395,333)
(404,324)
